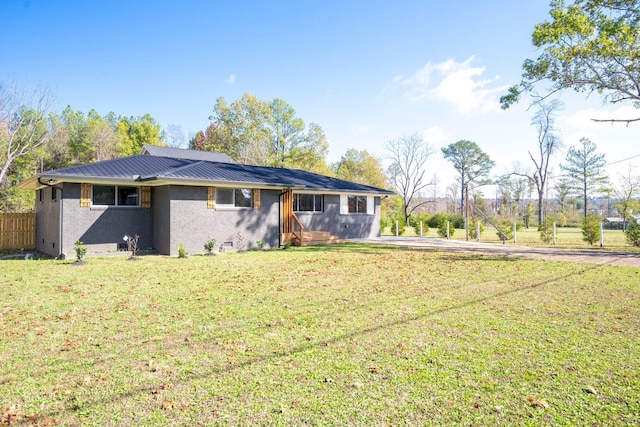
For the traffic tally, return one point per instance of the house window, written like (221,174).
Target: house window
(115,195)
(357,204)
(234,197)
(54,193)
(307,203)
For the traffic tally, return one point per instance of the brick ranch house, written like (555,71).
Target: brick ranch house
(169,196)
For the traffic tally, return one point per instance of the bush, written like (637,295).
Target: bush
(415,221)
(210,245)
(546,229)
(435,220)
(81,250)
(591,229)
(182,252)
(442,228)
(633,233)
(457,220)
(473,228)
(401,225)
(506,227)
(561,219)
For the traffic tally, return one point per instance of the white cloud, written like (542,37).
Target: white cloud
(584,119)
(231,79)
(457,83)
(435,135)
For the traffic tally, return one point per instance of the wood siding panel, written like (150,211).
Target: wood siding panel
(256,198)
(211,198)
(85,195)
(146,197)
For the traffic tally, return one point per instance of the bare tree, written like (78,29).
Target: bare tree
(548,143)
(24,124)
(408,156)
(627,193)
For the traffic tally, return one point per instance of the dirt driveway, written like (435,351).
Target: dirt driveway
(595,256)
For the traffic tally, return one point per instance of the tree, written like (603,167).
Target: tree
(627,193)
(472,164)
(548,143)
(408,156)
(265,133)
(24,126)
(588,46)
(361,167)
(286,132)
(310,152)
(585,170)
(134,132)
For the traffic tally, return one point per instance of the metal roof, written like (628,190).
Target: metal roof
(159,170)
(181,153)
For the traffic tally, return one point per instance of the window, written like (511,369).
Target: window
(307,202)
(234,197)
(115,195)
(54,193)
(357,204)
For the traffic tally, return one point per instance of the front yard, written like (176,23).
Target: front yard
(340,335)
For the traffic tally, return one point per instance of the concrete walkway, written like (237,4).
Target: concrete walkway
(595,256)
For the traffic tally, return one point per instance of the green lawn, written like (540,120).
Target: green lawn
(566,237)
(341,335)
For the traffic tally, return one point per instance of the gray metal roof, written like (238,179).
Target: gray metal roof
(180,153)
(159,170)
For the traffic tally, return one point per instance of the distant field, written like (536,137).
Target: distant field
(340,335)
(566,237)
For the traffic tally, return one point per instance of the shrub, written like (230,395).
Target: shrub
(473,228)
(591,229)
(415,221)
(132,244)
(401,226)
(287,244)
(457,220)
(442,228)
(546,229)
(633,233)
(210,245)
(260,244)
(80,249)
(435,220)
(182,252)
(507,228)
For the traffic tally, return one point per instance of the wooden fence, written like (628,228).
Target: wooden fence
(18,231)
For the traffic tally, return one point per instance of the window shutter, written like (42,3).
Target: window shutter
(344,204)
(211,198)
(256,198)
(85,195)
(371,207)
(146,197)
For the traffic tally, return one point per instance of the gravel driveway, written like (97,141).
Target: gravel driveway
(595,256)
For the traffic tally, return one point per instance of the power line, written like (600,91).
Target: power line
(623,160)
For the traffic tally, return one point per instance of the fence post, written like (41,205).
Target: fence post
(601,235)
(397,226)
(515,232)
(478,231)
(447,230)
(421,229)
(554,232)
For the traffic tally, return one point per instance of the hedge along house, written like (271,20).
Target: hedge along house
(169,196)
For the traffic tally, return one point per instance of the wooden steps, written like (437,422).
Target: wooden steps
(316,238)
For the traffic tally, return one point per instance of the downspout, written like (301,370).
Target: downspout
(60,222)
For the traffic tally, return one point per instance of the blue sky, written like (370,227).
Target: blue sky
(366,71)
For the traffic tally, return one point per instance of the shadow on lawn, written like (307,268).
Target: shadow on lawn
(347,336)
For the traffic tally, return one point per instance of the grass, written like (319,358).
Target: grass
(566,238)
(337,335)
